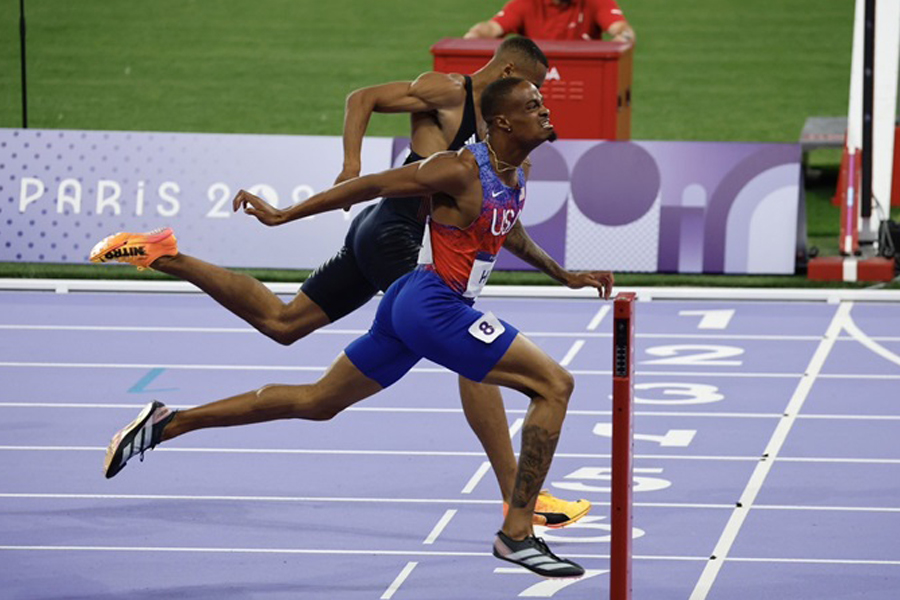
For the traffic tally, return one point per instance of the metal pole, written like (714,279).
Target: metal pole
(865,188)
(22,54)
(622,446)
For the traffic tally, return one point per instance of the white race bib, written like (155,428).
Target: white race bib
(487,329)
(481,271)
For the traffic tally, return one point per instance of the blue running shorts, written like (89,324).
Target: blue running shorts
(421,317)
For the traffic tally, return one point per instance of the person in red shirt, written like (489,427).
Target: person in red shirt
(557,20)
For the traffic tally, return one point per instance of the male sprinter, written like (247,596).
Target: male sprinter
(381,244)
(477,195)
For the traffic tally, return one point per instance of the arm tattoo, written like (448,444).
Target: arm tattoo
(520,243)
(538,446)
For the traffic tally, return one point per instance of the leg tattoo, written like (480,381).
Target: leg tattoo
(538,446)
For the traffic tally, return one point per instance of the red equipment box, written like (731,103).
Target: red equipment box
(588,86)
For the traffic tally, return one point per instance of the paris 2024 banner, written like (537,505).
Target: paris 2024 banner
(674,207)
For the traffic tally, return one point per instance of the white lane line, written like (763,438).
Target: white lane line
(877,338)
(440,526)
(818,561)
(447,453)
(773,507)
(872,509)
(515,427)
(82,405)
(273,499)
(162,329)
(357,332)
(212,367)
(424,410)
(754,485)
(598,318)
(392,589)
(714,415)
(872,376)
(184,367)
(240,330)
(420,553)
(190,549)
(735,374)
(852,417)
(311,451)
(577,345)
(862,338)
(730,336)
(476,478)
(316,499)
(839,460)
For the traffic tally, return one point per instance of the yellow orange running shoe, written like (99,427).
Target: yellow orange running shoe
(554,512)
(138,249)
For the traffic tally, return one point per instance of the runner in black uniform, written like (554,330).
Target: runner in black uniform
(382,243)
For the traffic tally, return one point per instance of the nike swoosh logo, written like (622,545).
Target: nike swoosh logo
(495,194)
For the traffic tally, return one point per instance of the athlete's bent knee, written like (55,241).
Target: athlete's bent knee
(562,384)
(318,414)
(312,408)
(286,336)
(282,332)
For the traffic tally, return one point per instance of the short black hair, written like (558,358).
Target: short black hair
(495,94)
(522,47)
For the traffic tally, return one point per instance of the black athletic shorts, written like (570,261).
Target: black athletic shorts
(381,246)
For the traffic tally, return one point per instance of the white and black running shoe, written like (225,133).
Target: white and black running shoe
(142,434)
(533,554)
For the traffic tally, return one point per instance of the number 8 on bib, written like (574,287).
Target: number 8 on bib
(487,329)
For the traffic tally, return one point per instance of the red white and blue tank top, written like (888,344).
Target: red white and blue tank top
(464,258)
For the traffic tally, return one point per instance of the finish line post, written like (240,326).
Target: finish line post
(622,446)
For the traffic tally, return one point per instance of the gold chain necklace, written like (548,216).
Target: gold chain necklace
(500,169)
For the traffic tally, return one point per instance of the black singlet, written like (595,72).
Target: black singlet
(382,243)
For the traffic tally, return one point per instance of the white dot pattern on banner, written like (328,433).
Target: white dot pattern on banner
(207,170)
(88,157)
(631,247)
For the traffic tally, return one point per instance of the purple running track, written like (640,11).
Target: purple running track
(760,440)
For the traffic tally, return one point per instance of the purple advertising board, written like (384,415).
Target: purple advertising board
(675,207)
(687,207)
